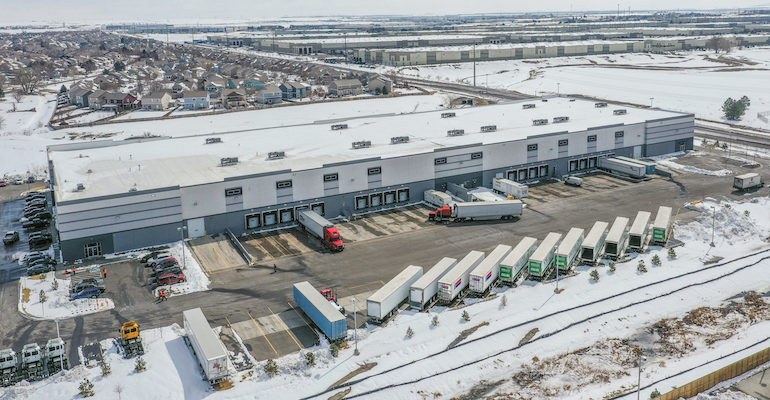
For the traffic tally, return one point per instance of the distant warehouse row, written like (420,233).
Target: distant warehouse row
(513,51)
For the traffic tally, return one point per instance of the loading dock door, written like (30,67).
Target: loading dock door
(196,227)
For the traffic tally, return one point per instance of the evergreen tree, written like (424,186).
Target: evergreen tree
(656,260)
(140,365)
(671,252)
(409,332)
(271,368)
(434,321)
(641,267)
(335,350)
(612,266)
(310,359)
(466,316)
(86,388)
(595,275)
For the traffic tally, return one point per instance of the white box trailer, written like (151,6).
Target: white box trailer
(648,165)
(541,260)
(593,244)
(424,290)
(208,349)
(617,238)
(483,210)
(487,271)
(637,235)
(624,167)
(747,181)
(485,196)
(509,187)
(456,280)
(515,262)
(437,198)
(384,302)
(662,225)
(569,248)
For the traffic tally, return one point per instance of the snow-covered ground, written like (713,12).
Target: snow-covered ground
(57,304)
(141,114)
(741,229)
(20,139)
(696,81)
(668,161)
(196,279)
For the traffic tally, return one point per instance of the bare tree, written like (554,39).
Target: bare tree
(118,389)
(2,122)
(28,79)
(718,43)
(17,95)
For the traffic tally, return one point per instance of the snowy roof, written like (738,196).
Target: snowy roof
(186,161)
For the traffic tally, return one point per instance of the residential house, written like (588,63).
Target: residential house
(346,87)
(97,99)
(294,90)
(157,101)
(380,85)
(120,101)
(215,85)
(179,87)
(79,96)
(196,100)
(234,98)
(271,94)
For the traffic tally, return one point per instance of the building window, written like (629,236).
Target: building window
(439,161)
(403,195)
(532,147)
(619,134)
(476,156)
(563,142)
(93,249)
(374,171)
(233,192)
(331,177)
(253,221)
(591,138)
(283,184)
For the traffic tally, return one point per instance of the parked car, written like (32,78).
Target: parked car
(36,201)
(88,293)
(40,269)
(36,223)
(43,214)
(35,258)
(3,183)
(34,194)
(40,239)
(35,205)
(10,237)
(158,258)
(41,261)
(84,284)
(19,182)
(172,269)
(170,279)
(164,264)
(30,179)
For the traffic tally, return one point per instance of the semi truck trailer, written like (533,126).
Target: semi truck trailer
(455,281)
(592,246)
(424,290)
(624,167)
(510,188)
(208,349)
(662,225)
(541,261)
(637,235)
(384,302)
(747,181)
(437,198)
(486,273)
(569,248)
(514,264)
(617,238)
(321,311)
(321,228)
(477,210)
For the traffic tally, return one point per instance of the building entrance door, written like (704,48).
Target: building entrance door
(196,227)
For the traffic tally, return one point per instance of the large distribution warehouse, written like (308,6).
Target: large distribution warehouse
(115,196)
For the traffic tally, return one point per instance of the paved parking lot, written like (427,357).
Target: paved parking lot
(216,253)
(555,191)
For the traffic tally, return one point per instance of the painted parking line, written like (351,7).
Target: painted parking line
(286,328)
(260,245)
(303,319)
(263,333)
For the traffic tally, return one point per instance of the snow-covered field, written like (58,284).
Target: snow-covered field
(57,304)
(141,114)
(23,147)
(697,81)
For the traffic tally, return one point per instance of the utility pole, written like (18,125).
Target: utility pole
(474,64)
(639,376)
(355,326)
(61,357)
(557,279)
(713,224)
(182,230)
(557,88)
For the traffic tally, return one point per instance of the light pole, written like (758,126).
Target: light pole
(651,99)
(713,224)
(639,377)
(557,88)
(182,230)
(557,280)
(355,327)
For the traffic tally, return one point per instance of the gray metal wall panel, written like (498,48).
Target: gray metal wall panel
(146,237)
(144,217)
(120,227)
(75,249)
(118,210)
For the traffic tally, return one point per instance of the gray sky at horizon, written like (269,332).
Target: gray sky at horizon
(92,11)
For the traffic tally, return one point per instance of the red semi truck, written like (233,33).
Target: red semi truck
(321,228)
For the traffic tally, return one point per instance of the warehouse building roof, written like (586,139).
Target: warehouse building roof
(109,167)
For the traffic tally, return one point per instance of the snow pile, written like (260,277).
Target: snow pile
(746,162)
(195,279)
(732,223)
(696,170)
(57,304)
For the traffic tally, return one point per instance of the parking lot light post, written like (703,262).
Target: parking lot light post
(355,327)
(182,230)
(61,357)
(713,224)
(639,376)
(557,280)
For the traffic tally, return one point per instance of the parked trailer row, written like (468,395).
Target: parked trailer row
(456,280)
(617,238)
(323,314)
(624,167)
(486,273)
(662,225)
(593,244)
(437,198)
(515,263)
(637,235)
(510,188)
(384,302)
(541,261)
(208,349)
(425,290)
(569,249)
(32,362)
